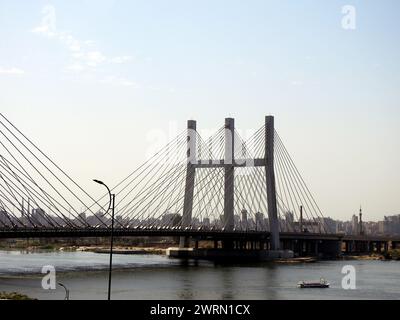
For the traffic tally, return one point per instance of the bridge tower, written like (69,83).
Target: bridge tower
(229,181)
(190,179)
(229,163)
(270,181)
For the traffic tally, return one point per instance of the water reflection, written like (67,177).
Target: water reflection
(227,284)
(185,290)
(271,283)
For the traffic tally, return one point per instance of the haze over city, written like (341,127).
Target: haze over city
(96,95)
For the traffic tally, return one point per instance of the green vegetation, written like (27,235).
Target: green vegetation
(47,247)
(393,254)
(14,296)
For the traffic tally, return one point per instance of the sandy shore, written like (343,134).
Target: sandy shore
(364,257)
(124,250)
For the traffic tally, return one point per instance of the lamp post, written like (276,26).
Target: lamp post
(66,291)
(111,204)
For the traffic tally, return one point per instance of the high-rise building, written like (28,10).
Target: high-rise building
(4,221)
(245,224)
(39,217)
(360,223)
(354,224)
(260,225)
(289,217)
(206,222)
(331,225)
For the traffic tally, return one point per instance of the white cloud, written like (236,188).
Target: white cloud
(127,83)
(48,25)
(75,67)
(94,58)
(297,83)
(89,42)
(84,55)
(117,81)
(122,59)
(72,43)
(11,71)
(78,49)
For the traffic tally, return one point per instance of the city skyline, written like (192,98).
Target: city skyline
(256,221)
(87,86)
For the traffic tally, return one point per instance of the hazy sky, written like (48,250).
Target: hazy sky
(93,82)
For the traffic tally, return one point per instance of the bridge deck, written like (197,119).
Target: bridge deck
(199,234)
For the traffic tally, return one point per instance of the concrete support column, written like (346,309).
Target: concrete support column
(229,174)
(270,177)
(229,179)
(301,248)
(386,246)
(330,248)
(190,178)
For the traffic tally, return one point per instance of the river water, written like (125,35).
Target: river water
(158,277)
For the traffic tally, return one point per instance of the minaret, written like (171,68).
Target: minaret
(360,226)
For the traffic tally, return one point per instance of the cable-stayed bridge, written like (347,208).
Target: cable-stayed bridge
(240,192)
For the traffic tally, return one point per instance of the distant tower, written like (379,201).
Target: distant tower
(244,219)
(360,228)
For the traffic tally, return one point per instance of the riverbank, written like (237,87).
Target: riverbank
(99,245)
(94,249)
(124,250)
(373,257)
(392,254)
(14,296)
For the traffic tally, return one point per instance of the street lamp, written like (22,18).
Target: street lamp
(66,291)
(111,203)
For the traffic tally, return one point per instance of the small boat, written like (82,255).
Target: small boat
(321,284)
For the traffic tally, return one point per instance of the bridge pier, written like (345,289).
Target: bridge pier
(329,248)
(310,248)
(370,247)
(361,246)
(346,247)
(386,246)
(316,249)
